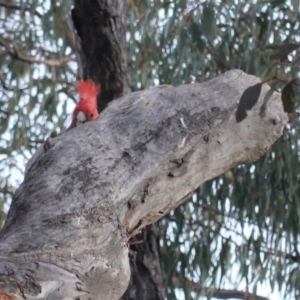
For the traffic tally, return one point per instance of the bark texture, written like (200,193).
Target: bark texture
(68,227)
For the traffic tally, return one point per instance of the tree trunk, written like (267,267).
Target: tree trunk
(146,280)
(66,235)
(100,36)
(101,47)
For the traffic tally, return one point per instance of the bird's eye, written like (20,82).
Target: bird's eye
(91,115)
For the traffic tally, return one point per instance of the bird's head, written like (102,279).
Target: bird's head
(86,108)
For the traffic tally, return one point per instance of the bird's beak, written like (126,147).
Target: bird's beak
(80,118)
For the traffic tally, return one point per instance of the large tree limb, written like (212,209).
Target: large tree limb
(67,230)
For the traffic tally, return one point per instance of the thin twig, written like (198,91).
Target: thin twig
(216,293)
(7,190)
(16,7)
(48,62)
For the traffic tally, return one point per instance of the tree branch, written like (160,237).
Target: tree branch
(7,190)
(192,286)
(67,230)
(16,7)
(27,59)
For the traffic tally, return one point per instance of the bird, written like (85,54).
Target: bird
(86,108)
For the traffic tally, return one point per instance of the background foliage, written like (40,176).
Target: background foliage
(239,231)
(37,75)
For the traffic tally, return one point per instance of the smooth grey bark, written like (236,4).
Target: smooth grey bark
(68,227)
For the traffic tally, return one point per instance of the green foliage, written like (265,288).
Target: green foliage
(34,83)
(238,230)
